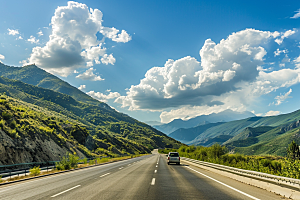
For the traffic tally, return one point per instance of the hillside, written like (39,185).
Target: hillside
(36,76)
(186,135)
(274,141)
(224,116)
(107,131)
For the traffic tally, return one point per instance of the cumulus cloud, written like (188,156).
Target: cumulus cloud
(282,97)
(89,75)
(103,97)
(112,33)
(278,52)
(272,113)
(108,59)
(81,87)
(231,75)
(32,39)
(40,33)
(297,62)
(284,35)
(296,15)
(13,32)
(73,43)
(188,82)
(2,57)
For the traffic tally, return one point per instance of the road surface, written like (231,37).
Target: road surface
(147,177)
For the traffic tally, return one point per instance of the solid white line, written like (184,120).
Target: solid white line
(153,181)
(65,191)
(155,171)
(248,195)
(104,174)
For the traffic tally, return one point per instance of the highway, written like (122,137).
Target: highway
(147,177)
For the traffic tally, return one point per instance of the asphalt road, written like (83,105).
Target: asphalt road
(147,177)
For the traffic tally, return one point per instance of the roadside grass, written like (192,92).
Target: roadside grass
(34,170)
(276,165)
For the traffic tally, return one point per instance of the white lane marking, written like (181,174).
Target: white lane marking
(104,175)
(248,195)
(65,191)
(155,171)
(153,181)
(156,165)
(121,168)
(129,164)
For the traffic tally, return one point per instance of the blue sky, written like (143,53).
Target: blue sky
(160,60)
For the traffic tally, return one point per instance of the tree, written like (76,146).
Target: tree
(293,150)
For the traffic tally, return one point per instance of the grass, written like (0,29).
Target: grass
(99,161)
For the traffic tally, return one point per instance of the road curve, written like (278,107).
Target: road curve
(147,177)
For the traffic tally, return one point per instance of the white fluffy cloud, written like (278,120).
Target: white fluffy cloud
(108,59)
(89,75)
(230,76)
(81,87)
(73,42)
(112,33)
(13,32)
(284,35)
(282,97)
(32,39)
(2,57)
(297,14)
(278,52)
(40,33)
(102,97)
(272,113)
(188,82)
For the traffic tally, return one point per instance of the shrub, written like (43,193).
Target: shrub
(67,162)
(35,171)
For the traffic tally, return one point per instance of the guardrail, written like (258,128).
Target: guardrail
(23,168)
(279,180)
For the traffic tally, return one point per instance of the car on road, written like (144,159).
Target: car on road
(173,157)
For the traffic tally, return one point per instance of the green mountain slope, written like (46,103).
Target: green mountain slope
(108,130)
(234,128)
(265,140)
(186,135)
(33,75)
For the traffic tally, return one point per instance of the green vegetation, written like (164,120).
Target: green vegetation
(275,165)
(69,161)
(35,171)
(29,113)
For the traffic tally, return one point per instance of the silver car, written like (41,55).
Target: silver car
(173,157)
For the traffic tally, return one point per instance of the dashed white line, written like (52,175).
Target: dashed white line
(248,195)
(104,175)
(156,165)
(155,171)
(65,191)
(121,168)
(153,181)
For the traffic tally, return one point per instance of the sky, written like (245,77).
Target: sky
(163,60)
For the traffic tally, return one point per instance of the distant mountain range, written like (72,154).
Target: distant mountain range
(251,136)
(224,116)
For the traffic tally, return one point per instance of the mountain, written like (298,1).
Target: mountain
(252,135)
(39,124)
(187,135)
(34,75)
(224,116)
(153,123)
(272,142)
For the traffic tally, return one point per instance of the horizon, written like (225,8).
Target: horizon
(160,61)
